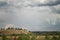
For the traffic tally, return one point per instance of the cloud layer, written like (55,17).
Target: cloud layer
(45,3)
(33,15)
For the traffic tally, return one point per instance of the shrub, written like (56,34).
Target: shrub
(4,37)
(33,37)
(54,38)
(23,37)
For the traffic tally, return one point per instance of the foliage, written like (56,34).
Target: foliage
(20,37)
(54,38)
(4,37)
(26,37)
(33,37)
(23,37)
(46,37)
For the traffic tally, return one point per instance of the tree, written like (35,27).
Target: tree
(33,37)
(46,37)
(20,37)
(4,37)
(54,38)
(25,37)
(59,35)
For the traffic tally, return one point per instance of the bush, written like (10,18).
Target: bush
(33,38)
(46,37)
(20,37)
(23,37)
(54,38)
(4,37)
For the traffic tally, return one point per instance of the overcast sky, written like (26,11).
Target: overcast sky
(34,15)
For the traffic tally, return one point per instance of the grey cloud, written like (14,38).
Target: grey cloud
(55,10)
(3,3)
(34,17)
(33,3)
(46,3)
(6,13)
(52,28)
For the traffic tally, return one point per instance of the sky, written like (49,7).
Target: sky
(33,15)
